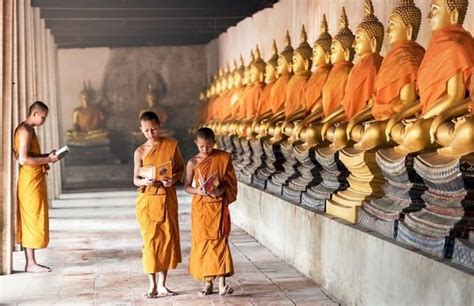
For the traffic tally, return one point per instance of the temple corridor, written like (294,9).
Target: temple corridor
(96,259)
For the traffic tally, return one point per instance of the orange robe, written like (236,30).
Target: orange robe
(450,52)
(361,84)
(278,94)
(314,87)
(294,99)
(251,100)
(264,103)
(223,111)
(157,212)
(210,220)
(333,90)
(32,216)
(235,102)
(399,68)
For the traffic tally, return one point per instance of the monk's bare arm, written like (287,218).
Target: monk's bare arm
(138,180)
(24,155)
(188,179)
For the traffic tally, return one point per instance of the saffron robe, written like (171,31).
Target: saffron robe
(294,99)
(450,52)
(210,220)
(264,103)
(32,215)
(278,94)
(333,90)
(361,84)
(157,212)
(314,87)
(399,68)
(251,100)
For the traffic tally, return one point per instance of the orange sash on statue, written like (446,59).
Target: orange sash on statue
(361,83)
(235,102)
(295,93)
(210,220)
(399,68)
(265,103)
(278,94)
(314,87)
(450,52)
(224,105)
(333,90)
(251,100)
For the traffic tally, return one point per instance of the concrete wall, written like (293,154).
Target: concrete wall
(120,78)
(357,267)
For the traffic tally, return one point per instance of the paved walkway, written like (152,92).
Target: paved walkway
(95,253)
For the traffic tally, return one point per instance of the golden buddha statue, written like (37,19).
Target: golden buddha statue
(360,85)
(313,90)
(264,110)
(442,82)
(295,108)
(395,82)
(235,97)
(342,54)
(278,93)
(88,123)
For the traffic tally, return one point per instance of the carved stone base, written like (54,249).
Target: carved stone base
(365,182)
(273,163)
(257,159)
(463,252)
(449,204)
(238,152)
(402,194)
(227,145)
(333,177)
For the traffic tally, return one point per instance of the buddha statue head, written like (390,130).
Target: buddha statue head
(302,56)
(213,86)
(322,45)
(272,65)
(230,77)
(246,79)
(286,57)
(239,72)
(444,13)
(257,67)
(224,78)
(84,98)
(404,22)
(218,81)
(341,46)
(369,33)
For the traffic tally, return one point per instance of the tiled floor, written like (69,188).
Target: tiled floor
(95,254)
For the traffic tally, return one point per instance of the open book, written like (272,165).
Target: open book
(158,172)
(62,152)
(208,184)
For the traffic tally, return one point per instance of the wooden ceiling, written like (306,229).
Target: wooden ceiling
(126,23)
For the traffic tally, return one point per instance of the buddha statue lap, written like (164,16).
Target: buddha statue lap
(88,121)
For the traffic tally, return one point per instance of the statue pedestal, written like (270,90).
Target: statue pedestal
(245,162)
(449,211)
(281,178)
(365,182)
(273,162)
(463,252)
(237,151)
(226,145)
(333,175)
(403,191)
(256,162)
(308,173)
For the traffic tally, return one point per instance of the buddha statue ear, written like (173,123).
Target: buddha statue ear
(347,54)
(261,76)
(454,15)
(327,57)
(409,32)
(306,65)
(373,44)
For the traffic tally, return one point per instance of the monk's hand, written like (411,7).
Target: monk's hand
(200,191)
(217,192)
(52,157)
(168,182)
(149,181)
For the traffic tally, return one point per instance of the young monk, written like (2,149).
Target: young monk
(32,216)
(210,219)
(157,205)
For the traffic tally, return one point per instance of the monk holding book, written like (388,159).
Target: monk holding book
(210,177)
(32,217)
(157,203)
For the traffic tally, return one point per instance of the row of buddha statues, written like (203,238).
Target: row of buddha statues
(89,120)
(386,142)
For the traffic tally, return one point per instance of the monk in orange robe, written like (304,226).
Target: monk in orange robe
(157,205)
(210,177)
(333,90)
(32,218)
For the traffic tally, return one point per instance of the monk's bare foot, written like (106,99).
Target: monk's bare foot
(208,289)
(152,293)
(35,268)
(163,291)
(226,290)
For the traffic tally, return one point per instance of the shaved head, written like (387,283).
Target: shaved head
(37,106)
